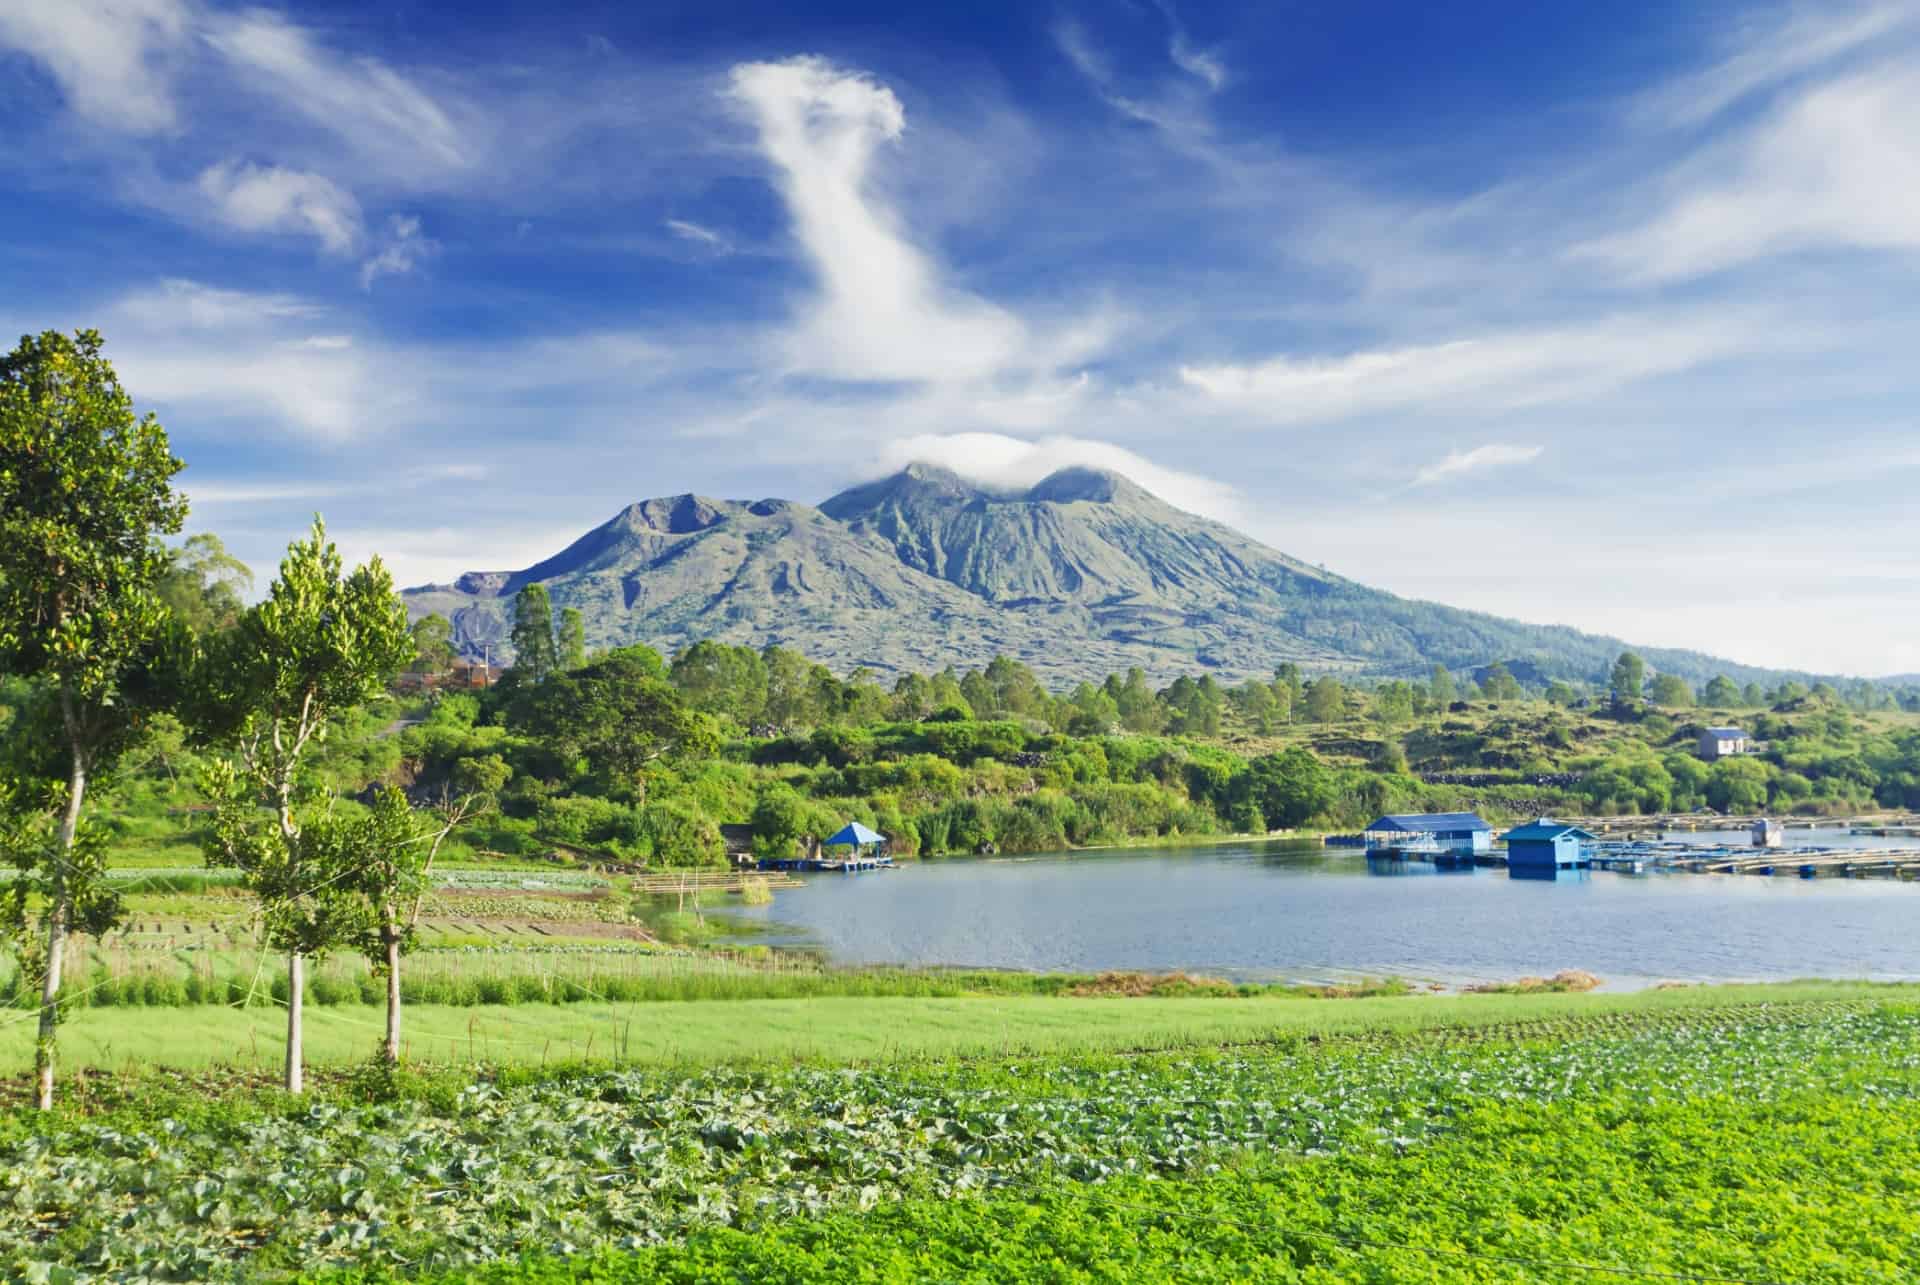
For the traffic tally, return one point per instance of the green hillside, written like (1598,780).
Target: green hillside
(1082,575)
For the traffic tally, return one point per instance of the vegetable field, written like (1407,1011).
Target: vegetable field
(1771,1142)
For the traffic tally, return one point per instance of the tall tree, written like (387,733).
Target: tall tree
(535,654)
(390,851)
(573,638)
(432,644)
(85,492)
(1289,692)
(718,679)
(1628,678)
(205,586)
(1500,684)
(619,714)
(1440,687)
(322,643)
(1326,700)
(1672,691)
(1720,692)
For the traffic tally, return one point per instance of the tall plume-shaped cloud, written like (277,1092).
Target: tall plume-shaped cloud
(883,312)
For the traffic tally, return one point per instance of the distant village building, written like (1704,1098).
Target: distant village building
(1546,845)
(1724,742)
(472,674)
(1457,832)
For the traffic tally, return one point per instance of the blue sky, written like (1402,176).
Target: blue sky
(1591,314)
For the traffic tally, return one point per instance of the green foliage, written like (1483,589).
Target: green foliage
(535,652)
(1326,700)
(1671,691)
(617,714)
(1288,788)
(432,644)
(204,586)
(1602,1139)
(715,678)
(1720,693)
(682,835)
(85,495)
(1627,679)
(572,639)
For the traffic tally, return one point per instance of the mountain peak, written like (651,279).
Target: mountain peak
(916,484)
(1082,482)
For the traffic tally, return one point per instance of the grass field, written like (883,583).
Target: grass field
(841,1029)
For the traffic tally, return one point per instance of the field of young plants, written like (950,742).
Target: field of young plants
(1774,1142)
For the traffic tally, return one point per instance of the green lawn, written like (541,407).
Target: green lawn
(842,1029)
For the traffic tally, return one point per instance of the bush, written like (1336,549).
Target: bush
(683,836)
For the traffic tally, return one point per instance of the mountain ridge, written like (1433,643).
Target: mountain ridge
(1082,573)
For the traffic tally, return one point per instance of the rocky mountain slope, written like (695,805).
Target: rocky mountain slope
(1083,574)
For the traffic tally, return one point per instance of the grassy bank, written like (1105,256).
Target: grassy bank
(846,1029)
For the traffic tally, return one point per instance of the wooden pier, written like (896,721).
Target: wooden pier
(1884,824)
(661,884)
(1644,857)
(840,865)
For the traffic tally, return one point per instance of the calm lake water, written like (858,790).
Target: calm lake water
(1279,910)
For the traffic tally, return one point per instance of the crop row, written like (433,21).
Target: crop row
(629,1159)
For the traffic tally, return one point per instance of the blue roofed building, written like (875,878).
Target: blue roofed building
(1546,845)
(1454,832)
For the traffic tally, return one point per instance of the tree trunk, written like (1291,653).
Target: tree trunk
(296,1055)
(60,897)
(393,997)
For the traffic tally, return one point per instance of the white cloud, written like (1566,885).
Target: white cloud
(1501,370)
(403,249)
(883,311)
(1764,56)
(998,460)
(1492,455)
(1837,165)
(702,236)
(388,120)
(111,58)
(240,355)
(1202,64)
(175,301)
(266,198)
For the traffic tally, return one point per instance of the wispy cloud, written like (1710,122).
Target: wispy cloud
(1503,369)
(113,59)
(705,237)
(401,250)
(387,118)
(1480,458)
(266,198)
(1763,55)
(1834,166)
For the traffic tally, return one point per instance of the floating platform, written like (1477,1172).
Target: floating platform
(838,865)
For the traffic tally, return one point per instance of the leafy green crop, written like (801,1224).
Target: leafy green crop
(1665,1131)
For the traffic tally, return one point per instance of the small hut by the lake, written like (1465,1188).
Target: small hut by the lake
(1450,832)
(1545,844)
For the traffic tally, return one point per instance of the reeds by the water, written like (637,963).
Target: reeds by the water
(106,975)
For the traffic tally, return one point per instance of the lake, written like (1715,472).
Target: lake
(1291,911)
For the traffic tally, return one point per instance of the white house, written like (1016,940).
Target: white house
(1724,742)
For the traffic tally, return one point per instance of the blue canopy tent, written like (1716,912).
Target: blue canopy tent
(855,836)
